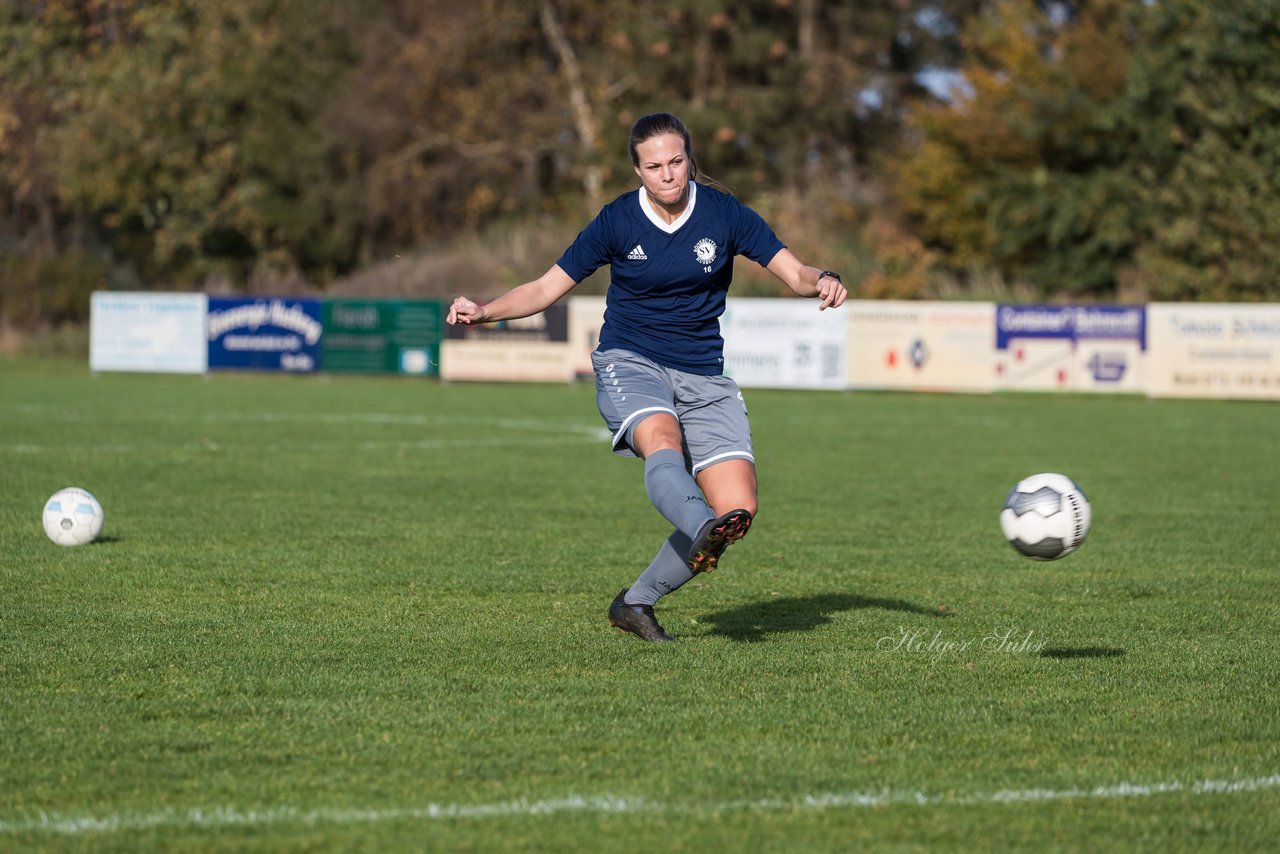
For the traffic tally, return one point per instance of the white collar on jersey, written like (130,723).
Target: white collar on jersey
(669,227)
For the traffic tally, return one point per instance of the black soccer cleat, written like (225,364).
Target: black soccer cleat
(637,619)
(716,536)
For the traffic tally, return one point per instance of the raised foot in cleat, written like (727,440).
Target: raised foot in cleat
(717,535)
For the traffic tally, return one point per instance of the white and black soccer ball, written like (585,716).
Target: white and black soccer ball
(72,517)
(1046,516)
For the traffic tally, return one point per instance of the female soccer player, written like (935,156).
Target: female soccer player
(660,387)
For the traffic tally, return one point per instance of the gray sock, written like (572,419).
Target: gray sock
(669,570)
(675,493)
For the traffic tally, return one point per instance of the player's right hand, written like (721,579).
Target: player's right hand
(463,310)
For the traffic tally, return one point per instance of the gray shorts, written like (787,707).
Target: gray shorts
(711,411)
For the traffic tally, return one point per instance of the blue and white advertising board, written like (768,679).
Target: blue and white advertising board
(1093,348)
(264,334)
(147,332)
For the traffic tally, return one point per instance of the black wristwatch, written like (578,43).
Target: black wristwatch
(835,276)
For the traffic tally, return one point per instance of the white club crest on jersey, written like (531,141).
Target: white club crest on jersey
(637,254)
(705,251)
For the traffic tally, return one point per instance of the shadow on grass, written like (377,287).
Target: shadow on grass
(1081,652)
(750,623)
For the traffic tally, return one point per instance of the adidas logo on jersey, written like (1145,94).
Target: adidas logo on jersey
(637,254)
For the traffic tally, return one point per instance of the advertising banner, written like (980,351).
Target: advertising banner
(505,361)
(1095,348)
(1214,350)
(913,345)
(586,316)
(150,332)
(783,343)
(528,349)
(382,336)
(266,334)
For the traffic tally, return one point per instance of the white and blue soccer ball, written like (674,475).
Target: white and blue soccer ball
(72,517)
(1046,516)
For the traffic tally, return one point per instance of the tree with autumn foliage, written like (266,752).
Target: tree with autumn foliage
(1095,147)
(157,144)
(1124,149)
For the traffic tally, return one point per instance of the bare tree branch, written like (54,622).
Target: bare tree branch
(583,118)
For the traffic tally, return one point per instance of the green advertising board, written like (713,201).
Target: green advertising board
(383,336)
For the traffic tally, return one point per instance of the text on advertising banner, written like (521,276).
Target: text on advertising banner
(1214,350)
(1094,348)
(783,343)
(264,333)
(148,332)
(527,349)
(911,345)
(383,336)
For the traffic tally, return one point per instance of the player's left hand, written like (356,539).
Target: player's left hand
(831,292)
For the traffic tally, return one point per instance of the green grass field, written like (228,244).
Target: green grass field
(369,614)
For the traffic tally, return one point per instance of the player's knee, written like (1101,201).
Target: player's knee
(655,433)
(741,502)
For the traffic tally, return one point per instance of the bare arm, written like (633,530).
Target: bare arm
(520,301)
(805,281)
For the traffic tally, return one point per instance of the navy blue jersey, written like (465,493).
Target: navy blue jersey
(669,281)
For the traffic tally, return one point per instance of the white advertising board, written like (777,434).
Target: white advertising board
(1036,364)
(921,346)
(505,361)
(1214,350)
(784,343)
(586,316)
(148,332)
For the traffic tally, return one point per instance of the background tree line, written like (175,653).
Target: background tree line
(1098,149)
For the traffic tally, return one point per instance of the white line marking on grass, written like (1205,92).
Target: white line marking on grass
(218,817)
(563,432)
(411,419)
(497,442)
(298,447)
(94,449)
